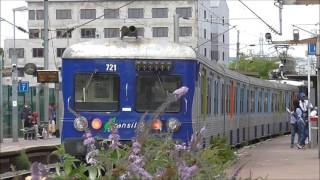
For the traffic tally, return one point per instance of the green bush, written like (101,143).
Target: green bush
(22,162)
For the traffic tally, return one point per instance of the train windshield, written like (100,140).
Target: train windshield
(153,90)
(96,92)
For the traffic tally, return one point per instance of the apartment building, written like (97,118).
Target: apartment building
(201,23)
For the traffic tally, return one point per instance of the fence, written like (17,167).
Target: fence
(23,98)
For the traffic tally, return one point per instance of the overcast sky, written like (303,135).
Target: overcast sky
(250,27)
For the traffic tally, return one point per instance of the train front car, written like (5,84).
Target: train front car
(118,81)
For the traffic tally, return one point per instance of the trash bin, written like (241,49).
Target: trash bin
(314,131)
(314,121)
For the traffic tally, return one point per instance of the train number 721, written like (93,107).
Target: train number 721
(111,67)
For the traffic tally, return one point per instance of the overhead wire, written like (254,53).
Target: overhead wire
(52,47)
(259,17)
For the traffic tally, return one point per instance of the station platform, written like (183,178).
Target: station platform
(274,159)
(9,146)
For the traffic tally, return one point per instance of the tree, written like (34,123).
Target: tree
(260,66)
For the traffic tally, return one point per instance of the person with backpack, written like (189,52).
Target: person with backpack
(305,105)
(298,115)
(293,119)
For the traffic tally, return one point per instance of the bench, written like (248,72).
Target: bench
(29,132)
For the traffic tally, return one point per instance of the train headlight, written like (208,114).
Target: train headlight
(96,123)
(80,123)
(156,124)
(173,125)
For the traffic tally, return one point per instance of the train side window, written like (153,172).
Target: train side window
(204,92)
(241,100)
(252,101)
(216,103)
(248,100)
(228,99)
(266,102)
(260,104)
(256,100)
(222,99)
(96,92)
(209,95)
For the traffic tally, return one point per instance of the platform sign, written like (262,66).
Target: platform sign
(23,86)
(312,49)
(47,76)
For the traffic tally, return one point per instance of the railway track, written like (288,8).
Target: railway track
(9,167)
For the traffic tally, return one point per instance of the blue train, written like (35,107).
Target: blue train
(118,80)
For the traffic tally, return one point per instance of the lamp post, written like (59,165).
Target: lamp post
(176,29)
(14,78)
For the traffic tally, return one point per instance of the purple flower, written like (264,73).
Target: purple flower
(114,138)
(38,171)
(180,147)
(186,172)
(180,92)
(136,147)
(196,139)
(139,172)
(91,157)
(159,173)
(137,160)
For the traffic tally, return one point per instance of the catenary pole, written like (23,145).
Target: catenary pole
(1,90)
(14,97)
(309,129)
(46,62)
(1,100)
(238,51)
(318,89)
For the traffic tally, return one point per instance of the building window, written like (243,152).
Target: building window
(62,33)
(39,14)
(223,38)
(19,52)
(205,52)
(159,12)
(87,13)
(184,12)
(88,33)
(37,52)
(42,34)
(222,20)
(111,13)
(215,55)
(140,32)
(32,15)
(185,31)
(63,14)
(160,32)
(205,34)
(20,72)
(34,33)
(111,32)
(205,14)
(135,13)
(223,56)
(60,51)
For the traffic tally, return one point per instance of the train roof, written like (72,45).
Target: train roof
(140,48)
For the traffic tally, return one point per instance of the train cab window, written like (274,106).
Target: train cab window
(153,90)
(97,92)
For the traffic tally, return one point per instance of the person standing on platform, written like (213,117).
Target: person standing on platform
(25,118)
(304,105)
(52,120)
(294,121)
